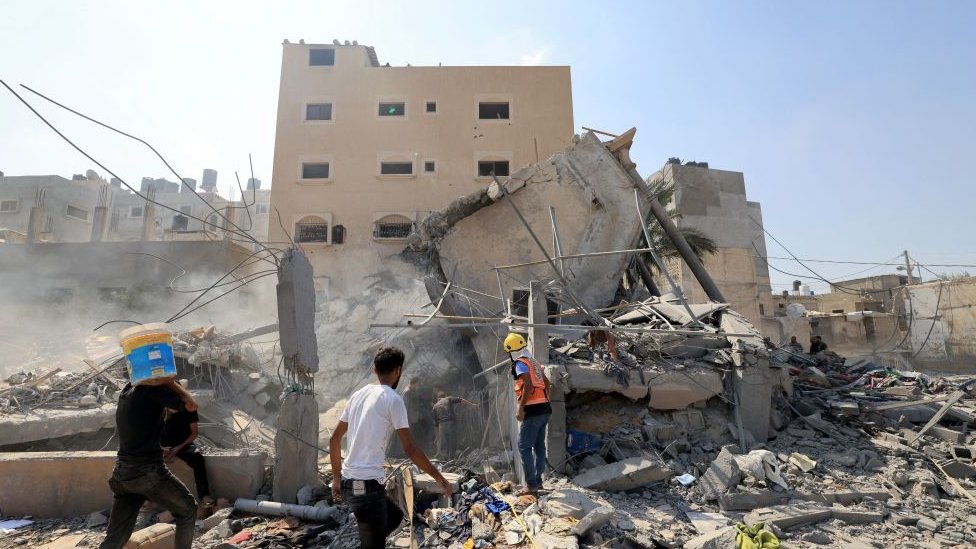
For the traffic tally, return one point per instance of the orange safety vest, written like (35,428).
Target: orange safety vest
(538,395)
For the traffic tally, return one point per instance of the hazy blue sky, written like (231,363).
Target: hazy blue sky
(854,121)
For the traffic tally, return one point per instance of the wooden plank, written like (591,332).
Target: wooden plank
(953,398)
(903,404)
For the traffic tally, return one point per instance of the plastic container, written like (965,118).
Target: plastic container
(148,351)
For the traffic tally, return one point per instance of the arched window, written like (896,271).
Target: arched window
(392,227)
(312,228)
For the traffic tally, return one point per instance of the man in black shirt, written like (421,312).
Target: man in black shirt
(140,473)
(445,423)
(179,432)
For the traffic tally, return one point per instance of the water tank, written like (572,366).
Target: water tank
(189,184)
(253,184)
(209,180)
(805,289)
(796,285)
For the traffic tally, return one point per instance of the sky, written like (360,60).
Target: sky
(852,121)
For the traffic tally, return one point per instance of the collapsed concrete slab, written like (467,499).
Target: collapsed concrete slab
(680,388)
(590,377)
(62,484)
(624,475)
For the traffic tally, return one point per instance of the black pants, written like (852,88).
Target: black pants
(376,515)
(192,456)
(132,486)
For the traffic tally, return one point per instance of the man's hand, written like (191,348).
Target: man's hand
(520,414)
(445,486)
(336,489)
(170,454)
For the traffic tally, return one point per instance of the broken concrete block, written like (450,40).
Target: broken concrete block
(789,516)
(568,503)
(722,474)
(722,538)
(157,536)
(593,520)
(591,461)
(856,516)
(213,520)
(679,389)
(258,385)
(926,523)
(957,469)
(590,377)
(747,501)
(262,399)
(624,475)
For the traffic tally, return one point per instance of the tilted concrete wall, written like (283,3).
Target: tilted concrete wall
(63,484)
(943,323)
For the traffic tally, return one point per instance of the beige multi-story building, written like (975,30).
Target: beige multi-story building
(365,150)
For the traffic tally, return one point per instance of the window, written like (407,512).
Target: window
(312,229)
(318,111)
(392,109)
(135,211)
(213,223)
(338,234)
(8,205)
(429,166)
(392,227)
(493,111)
(315,170)
(431,107)
(76,213)
(261,209)
(396,168)
(488,167)
(180,222)
(321,57)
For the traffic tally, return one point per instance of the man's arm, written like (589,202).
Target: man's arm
(526,392)
(188,403)
(335,457)
(418,456)
(194,432)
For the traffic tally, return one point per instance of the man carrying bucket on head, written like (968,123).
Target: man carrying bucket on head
(140,473)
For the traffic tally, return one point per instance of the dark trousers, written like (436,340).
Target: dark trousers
(376,515)
(447,439)
(532,440)
(192,456)
(132,486)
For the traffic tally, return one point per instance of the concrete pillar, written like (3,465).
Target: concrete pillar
(149,223)
(754,393)
(230,219)
(35,223)
(296,442)
(99,221)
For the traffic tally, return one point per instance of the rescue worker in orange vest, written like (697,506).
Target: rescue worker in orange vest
(534,410)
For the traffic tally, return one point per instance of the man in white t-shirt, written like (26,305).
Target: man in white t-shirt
(370,417)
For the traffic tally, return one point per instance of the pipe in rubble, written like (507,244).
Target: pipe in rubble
(277,509)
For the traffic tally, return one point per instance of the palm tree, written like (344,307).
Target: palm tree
(701,244)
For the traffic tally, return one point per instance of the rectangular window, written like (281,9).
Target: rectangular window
(315,170)
(488,167)
(392,109)
(76,213)
(396,168)
(493,111)
(135,211)
(261,209)
(431,107)
(318,111)
(180,222)
(312,232)
(429,166)
(8,205)
(393,230)
(321,57)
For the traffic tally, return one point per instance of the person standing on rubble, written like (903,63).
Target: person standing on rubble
(817,345)
(140,473)
(445,422)
(370,417)
(180,431)
(533,410)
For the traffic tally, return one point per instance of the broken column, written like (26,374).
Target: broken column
(296,442)
(35,224)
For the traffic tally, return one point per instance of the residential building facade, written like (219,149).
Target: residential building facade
(363,151)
